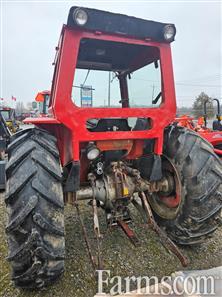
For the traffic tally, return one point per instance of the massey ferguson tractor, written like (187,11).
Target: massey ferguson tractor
(112,146)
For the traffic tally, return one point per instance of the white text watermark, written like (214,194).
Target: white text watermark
(180,285)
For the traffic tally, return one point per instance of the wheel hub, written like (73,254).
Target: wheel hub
(166,204)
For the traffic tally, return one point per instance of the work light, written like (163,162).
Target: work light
(169,32)
(92,152)
(80,16)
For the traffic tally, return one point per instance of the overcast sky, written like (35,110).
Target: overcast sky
(30,31)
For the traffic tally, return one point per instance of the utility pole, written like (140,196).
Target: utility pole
(109,89)
(153,93)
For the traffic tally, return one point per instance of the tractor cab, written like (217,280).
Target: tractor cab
(8,114)
(113,79)
(41,103)
(118,69)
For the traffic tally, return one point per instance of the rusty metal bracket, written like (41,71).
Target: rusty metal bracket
(98,234)
(88,245)
(165,240)
(129,232)
(96,223)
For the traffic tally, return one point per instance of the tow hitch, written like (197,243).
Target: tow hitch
(121,186)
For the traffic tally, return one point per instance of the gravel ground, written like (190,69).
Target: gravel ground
(120,257)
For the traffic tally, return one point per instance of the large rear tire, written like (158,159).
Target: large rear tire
(34,201)
(200,170)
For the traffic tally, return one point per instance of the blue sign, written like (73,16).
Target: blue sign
(86,96)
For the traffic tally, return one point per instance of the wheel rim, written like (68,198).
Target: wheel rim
(167,204)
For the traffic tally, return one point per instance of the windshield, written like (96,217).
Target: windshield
(101,68)
(5,114)
(144,86)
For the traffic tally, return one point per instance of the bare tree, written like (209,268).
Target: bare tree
(198,105)
(19,108)
(29,106)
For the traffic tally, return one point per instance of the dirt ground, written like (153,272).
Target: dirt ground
(120,257)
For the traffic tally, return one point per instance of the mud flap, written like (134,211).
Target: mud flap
(73,181)
(156,173)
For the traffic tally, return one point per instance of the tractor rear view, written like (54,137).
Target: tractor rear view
(109,130)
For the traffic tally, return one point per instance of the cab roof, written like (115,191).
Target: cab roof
(114,23)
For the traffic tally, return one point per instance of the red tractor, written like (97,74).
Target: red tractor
(108,139)
(212,135)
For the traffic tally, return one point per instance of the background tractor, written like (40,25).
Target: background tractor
(8,114)
(213,135)
(8,126)
(111,134)
(42,100)
(5,135)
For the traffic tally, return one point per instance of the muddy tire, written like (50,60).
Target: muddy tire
(34,200)
(201,180)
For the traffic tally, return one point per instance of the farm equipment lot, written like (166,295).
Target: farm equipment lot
(120,256)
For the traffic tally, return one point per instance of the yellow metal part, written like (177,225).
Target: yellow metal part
(12,127)
(125,191)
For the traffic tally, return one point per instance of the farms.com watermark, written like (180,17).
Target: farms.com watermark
(179,285)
